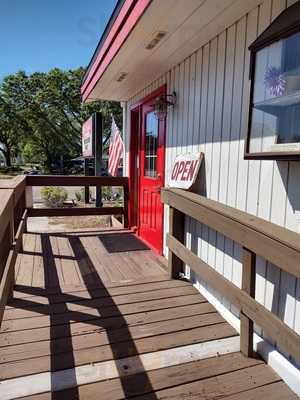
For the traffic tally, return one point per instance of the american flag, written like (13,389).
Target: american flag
(116,148)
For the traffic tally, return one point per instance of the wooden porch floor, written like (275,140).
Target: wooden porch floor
(94,316)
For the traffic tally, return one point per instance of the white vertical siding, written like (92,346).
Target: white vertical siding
(211,115)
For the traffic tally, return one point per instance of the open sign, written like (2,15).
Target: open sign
(185,170)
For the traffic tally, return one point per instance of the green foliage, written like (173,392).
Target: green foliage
(10,170)
(78,196)
(54,196)
(45,110)
(31,153)
(12,128)
(111,194)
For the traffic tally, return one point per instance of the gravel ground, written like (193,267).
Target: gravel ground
(67,224)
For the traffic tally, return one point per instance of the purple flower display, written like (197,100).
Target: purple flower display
(274,81)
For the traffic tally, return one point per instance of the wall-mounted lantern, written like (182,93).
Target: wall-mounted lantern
(162,103)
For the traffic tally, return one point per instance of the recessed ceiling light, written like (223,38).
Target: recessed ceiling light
(157,38)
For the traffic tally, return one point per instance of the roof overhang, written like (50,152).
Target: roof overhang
(145,38)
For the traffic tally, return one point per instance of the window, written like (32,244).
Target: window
(274,125)
(151,144)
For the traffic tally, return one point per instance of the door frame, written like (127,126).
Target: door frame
(136,130)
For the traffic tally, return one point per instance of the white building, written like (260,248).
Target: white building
(199,50)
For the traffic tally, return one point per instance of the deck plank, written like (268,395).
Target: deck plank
(80,304)
(94,339)
(38,278)
(42,297)
(27,261)
(157,379)
(114,350)
(99,324)
(68,264)
(219,386)
(23,291)
(89,314)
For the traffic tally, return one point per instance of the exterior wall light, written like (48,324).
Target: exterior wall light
(162,103)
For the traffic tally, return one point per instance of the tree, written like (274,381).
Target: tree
(49,107)
(12,129)
(31,154)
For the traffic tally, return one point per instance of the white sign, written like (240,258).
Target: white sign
(185,170)
(87,138)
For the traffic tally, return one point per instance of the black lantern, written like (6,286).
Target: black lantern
(162,103)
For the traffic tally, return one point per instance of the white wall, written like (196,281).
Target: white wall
(211,116)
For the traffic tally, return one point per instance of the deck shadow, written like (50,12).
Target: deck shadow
(50,268)
(125,348)
(62,358)
(118,243)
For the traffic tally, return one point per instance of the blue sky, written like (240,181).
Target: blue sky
(37,35)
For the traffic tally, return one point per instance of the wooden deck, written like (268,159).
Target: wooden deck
(94,316)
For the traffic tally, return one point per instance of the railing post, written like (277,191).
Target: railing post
(28,201)
(176,229)
(126,208)
(248,285)
(12,274)
(86,188)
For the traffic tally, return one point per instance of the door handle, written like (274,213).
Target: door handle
(157,189)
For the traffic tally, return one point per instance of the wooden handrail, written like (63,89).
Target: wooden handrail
(6,206)
(13,216)
(272,242)
(74,180)
(257,236)
(16,184)
(74,212)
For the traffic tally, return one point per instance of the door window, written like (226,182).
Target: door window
(151,145)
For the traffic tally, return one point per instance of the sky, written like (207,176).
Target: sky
(38,35)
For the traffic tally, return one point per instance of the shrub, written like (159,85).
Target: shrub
(111,194)
(78,196)
(54,196)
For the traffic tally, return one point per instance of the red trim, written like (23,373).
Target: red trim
(108,41)
(124,24)
(133,179)
(134,150)
(152,95)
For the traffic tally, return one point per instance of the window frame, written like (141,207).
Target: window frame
(145,156)
(278,30)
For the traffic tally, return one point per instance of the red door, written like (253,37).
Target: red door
(152,162)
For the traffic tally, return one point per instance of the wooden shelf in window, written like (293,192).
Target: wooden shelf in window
(274,106)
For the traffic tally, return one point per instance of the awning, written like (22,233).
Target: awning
(145,38)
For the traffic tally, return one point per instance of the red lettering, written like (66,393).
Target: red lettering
(180,169)
(174,172)
(192,169)
(185,171)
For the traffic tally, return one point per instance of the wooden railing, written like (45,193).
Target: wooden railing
(16,206)
(13,216)
(80,181)
(258,237)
